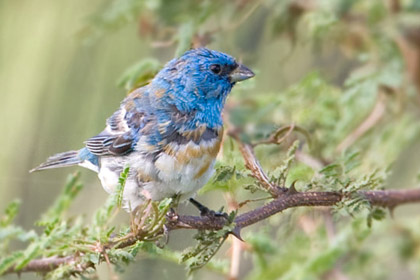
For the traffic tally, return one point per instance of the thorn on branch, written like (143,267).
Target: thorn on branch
(237,233)
(292,188)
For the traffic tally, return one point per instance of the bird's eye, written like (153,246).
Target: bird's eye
(216,68)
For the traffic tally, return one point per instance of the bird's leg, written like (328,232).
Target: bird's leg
(205,211)
(175,202)
(165,237)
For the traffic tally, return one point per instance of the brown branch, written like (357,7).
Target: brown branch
(281,134)
(252,163)
(282,199)
(383,198)
(392,198)
(45,265)
(309,160)
(275,137)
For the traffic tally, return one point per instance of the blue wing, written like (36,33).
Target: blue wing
(119,137)
(122,130)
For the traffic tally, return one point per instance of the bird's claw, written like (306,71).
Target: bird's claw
(205,211)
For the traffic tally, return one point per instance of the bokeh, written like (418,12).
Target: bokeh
(347,72)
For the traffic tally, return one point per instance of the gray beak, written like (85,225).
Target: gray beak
(241,73)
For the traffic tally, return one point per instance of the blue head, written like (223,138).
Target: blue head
(197,83)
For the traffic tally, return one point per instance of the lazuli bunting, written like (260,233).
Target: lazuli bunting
(168,132)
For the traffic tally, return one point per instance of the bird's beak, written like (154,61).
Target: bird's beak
(241,73)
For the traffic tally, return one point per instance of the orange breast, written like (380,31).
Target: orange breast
(202,155)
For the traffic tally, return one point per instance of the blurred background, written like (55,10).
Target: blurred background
(346,71)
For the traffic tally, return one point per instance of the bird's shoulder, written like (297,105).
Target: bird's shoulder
(131,114)
(123,126)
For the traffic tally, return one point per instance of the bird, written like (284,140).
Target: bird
(167,132)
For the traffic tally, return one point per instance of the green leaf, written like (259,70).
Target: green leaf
(139,74)
(113,202)
(375,214)
(351,161)
(208,243)
(95,258)
(29,254)
(135,248)
(224,173)
(121,255)
(331,170)
(165,204)
(9,261)
(119,192)
(10,213)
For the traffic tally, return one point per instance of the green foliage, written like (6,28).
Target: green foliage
(139,74)
(57,234)
(10,213)
(322,70)
(342,176)
(230,174)
(88,245)
(328,111)
(280,173)
(103,215)
(208,243)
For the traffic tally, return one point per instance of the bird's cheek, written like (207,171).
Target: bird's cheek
(215,91)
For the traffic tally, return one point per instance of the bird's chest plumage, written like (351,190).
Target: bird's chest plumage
(184,168)
(177,169)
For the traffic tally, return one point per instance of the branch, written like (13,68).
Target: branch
(385,198)
(45,265)
(283,199)
(252,164)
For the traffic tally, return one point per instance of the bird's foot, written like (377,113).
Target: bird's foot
(205,211)
(164,240)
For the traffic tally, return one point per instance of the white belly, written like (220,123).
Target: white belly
(180,173)
(179,179)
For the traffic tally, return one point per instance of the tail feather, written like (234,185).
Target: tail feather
(60,160)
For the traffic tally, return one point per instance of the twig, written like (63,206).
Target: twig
(373,118)
(275,138)
(252,164)
(309,160)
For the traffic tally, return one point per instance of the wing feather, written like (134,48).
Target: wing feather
(122,130)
